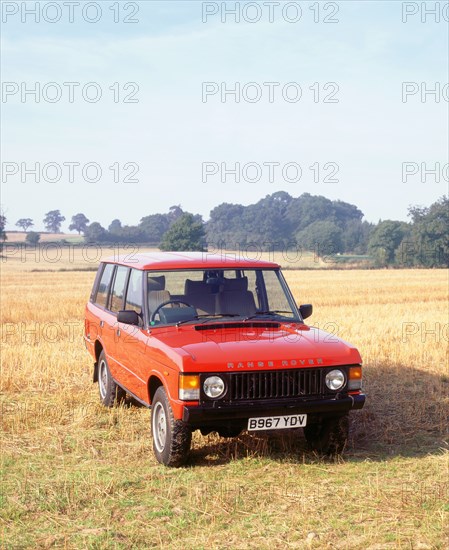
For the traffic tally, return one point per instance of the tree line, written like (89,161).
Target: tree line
(52,223)
(278,222)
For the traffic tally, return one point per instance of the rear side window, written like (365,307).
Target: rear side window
(118,291)
(134,294)
(103,287)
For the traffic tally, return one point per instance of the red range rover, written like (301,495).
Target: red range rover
(212,343)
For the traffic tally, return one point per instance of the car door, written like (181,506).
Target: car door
(97,315)
(111,328)
(132,339)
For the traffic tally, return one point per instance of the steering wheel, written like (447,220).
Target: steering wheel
(160,306)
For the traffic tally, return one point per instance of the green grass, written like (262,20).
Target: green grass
(93,483)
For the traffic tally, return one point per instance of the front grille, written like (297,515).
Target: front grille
(276,384)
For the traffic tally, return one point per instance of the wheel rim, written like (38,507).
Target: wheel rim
(159,427)
(102,378)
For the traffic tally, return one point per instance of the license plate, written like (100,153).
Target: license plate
(277,422)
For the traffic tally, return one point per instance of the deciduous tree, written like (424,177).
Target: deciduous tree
(53,220)
(3,221)
(32,237)
(79,223)
(186,233)
(95,233)
(385,239)
(24,223)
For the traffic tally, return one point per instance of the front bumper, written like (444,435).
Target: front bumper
(216,413)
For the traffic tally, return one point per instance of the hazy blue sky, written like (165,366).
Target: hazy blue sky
(366,50)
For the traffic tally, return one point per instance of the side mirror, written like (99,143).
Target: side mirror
(306,310)
(129,317)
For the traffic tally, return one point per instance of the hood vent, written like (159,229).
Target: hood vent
(221,326)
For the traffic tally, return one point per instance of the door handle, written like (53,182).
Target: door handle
(118,332)
(101,324)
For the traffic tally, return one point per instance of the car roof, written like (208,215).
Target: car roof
(188,260)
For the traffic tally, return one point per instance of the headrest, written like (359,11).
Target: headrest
(156,283)
(196,287)
(236,284)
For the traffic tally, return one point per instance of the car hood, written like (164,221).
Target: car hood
(245,346)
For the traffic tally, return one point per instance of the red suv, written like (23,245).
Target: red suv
(217,344)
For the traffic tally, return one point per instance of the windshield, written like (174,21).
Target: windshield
(183,296)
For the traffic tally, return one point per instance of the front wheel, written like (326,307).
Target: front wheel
(329,435)
(171,438)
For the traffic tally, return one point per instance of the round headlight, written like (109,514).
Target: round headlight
(335,379)
(214,387)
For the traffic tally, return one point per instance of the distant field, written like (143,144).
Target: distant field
(20,236)
(58,257)
(52,255)
(77,475)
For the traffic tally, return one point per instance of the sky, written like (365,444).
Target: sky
(134,110)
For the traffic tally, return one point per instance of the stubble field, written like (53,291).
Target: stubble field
(77,475)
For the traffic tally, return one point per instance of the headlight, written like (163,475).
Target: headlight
(214,387)
(335,379)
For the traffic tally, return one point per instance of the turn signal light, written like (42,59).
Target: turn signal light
(355,378)
(189,387)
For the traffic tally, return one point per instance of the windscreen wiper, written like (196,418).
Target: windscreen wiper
(272,313)
(208,317)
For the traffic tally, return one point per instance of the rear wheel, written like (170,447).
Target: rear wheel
(171,438)
(329,435)
(110,392)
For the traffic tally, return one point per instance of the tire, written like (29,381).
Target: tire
(110,392)
(171,438)
(329,436)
